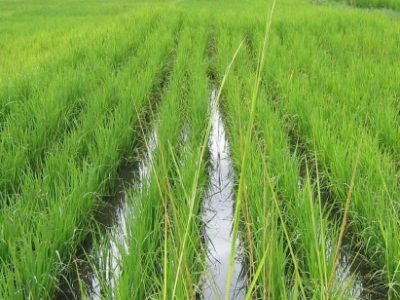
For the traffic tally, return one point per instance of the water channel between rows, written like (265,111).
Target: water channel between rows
(217,215)
(109,252)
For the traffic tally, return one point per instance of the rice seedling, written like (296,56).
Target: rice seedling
(306,95)
(37,125)
(320,121)
(68,190)
(160,199)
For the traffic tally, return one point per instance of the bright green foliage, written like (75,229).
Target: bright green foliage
(310,106)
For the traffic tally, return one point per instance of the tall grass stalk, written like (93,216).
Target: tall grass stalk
(246,142)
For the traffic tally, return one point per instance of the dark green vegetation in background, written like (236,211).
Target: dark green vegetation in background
(78,79)
(383,4)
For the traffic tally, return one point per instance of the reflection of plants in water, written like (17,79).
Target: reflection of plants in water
(217,214)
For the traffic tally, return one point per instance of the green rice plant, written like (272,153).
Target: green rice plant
(52,114)
(311,106)
(312,232)
(272,250)
(306,102)
(348,82)
(34,251)
(281,169)
(185,261)
(167,195)
(146,230)
(77,50)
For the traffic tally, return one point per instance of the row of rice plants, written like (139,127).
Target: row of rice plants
(53,109)
(163,258)
(305,228)
(77,49)
(35,244)
(335,133)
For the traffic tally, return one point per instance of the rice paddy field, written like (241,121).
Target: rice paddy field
(199,149)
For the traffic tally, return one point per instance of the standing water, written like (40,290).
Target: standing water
(108,253)
(217,215)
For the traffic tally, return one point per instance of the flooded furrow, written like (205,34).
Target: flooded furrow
(367,283)
(217,215)
(347,273)
(97,267)
(108,254)
(347,279)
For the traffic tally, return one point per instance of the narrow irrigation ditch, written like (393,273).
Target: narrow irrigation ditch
(107,269)
(217,215)
(95,271)
(345,272)
(352,272)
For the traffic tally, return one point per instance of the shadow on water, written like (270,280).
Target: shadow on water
(369,281)
(353,272)
(108,254)
(217,215)
(106,215)
(97,263)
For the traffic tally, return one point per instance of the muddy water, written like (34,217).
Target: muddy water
(108,254)
(217,214)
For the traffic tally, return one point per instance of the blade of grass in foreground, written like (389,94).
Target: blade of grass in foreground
(148,228)
(272,283)
(247,143)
